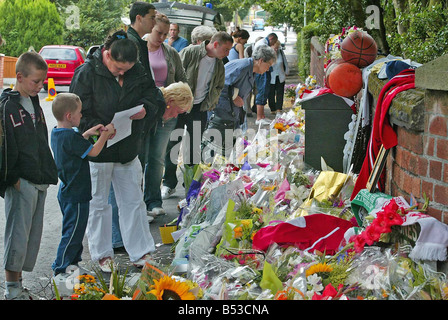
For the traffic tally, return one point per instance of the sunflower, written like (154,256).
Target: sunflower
(167,288)
(318,268)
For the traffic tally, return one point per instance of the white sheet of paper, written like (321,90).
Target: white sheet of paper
(123,124)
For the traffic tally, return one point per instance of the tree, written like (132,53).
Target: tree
(29,23)
(414,29)
(97,19)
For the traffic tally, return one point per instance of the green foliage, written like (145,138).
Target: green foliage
(426,32)
(29,23)
(289,11)
(97,19)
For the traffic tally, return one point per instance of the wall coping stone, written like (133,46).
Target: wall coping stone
(433,75)
(407,109)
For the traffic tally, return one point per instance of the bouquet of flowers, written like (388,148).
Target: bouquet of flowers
(89,287)
(156,284)
(290,91)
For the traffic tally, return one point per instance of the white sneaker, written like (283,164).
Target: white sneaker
(262,122)
(150,218)
(156,212)
(167,192)
(23,295)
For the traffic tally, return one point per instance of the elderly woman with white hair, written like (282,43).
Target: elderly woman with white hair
(239,81)
(202,33)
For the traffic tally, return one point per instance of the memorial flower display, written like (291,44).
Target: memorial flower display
(272,228)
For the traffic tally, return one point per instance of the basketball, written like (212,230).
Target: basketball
(359,49)
(345,79)
(330,67)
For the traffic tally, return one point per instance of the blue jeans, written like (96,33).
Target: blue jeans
(263,83)
(117,241)
(156,148)
(74,223)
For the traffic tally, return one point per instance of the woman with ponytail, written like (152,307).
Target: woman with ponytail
(113,80)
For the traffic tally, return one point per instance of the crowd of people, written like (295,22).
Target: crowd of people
(112,185)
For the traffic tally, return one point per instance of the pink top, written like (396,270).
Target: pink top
(159,67)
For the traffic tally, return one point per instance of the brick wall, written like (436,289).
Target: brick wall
(317,61)
(419,164)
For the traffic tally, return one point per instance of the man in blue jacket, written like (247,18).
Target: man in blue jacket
(238,84)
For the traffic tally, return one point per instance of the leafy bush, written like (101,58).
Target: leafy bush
(304,48)
(26,23)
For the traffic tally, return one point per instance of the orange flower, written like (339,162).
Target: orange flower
(279,126)
(238,232)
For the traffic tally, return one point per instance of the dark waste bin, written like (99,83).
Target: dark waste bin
(326,121)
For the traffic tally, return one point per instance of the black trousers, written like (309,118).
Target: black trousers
(193,119)
(276,95)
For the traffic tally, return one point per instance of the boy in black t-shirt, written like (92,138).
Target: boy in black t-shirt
(70,150)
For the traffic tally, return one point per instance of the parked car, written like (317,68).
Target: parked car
(257,24)
(62,60)
(189,16)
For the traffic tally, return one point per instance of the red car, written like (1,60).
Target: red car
(62,61)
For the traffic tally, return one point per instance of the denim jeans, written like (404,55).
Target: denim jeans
(156,148)
(74,223)
(117,241)
(262,82)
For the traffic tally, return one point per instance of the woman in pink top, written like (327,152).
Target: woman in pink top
(167,68)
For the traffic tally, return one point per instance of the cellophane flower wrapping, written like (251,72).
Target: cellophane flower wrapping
(231,200)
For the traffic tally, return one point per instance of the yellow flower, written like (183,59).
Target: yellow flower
(445,292)
(257,211)
(245,223)
(317,268)
(167,288)
(195,289)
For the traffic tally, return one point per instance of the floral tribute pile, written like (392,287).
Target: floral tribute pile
(277,229)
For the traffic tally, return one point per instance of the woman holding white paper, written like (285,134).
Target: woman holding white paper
(111,80)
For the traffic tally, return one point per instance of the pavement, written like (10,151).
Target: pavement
(39,280)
